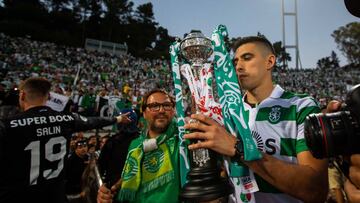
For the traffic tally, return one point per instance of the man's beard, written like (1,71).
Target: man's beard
(160,128)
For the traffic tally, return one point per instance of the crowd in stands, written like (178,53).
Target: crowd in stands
(323,85)
(103,75)
(90,79)
(100,74)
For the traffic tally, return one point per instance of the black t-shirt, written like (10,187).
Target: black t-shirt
(33,148)
(74,170)
(113,155)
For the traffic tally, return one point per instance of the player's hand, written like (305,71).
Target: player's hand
(212,136)
(124,118)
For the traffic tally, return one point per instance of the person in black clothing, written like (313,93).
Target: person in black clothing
(76,164)
(103,141)
(112,158)
(34,145)
(10,104)
(113,154)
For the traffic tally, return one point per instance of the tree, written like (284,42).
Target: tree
(24,10)
(82,10)
(142,32)
(348,41)
(56,5)
(69,22)
(328,63)
(323,63)
(23,17)
(94,22)
(145,13)
(281,55)
(117,12)
(335,63)
(14,3)
(163,41)
(96,12)
(233,43)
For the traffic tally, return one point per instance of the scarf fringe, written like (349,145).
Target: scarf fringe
(160,181)
(126,194)
(133,186)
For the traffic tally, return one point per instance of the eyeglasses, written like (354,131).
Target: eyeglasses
(167,106)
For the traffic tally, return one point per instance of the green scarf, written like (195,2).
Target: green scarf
(148,170)
(234,120)
(184,161)
(230,97)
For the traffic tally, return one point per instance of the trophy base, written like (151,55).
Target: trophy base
(205,185)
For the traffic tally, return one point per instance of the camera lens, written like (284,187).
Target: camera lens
(332,134)
(314,136)
(327,135)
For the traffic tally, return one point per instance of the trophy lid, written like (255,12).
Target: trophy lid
(196,48)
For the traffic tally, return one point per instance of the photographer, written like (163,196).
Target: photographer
(10,104)
(76,164)
(352,185)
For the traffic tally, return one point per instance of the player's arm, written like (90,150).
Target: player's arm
(306,180)
(87,123)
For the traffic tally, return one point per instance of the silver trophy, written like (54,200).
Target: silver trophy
(196,48)
(204,180)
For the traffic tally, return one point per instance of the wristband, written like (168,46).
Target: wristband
(239,152)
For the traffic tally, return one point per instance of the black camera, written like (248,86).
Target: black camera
(333,134)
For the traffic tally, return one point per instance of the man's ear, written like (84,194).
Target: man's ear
(144,114)
(270,62)
(22,95)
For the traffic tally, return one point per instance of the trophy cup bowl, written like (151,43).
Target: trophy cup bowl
(204,180)
(196,48)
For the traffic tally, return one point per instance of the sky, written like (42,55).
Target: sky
(317,19)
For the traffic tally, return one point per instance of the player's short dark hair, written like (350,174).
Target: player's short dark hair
(148,94)
(36,87)
(254,39)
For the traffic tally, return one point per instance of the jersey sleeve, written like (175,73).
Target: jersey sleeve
(87,123)
(306,107)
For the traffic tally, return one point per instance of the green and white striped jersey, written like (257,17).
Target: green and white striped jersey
(277,126)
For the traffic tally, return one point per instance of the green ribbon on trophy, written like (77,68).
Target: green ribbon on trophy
(184,162)
(232,108)
(230,95)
